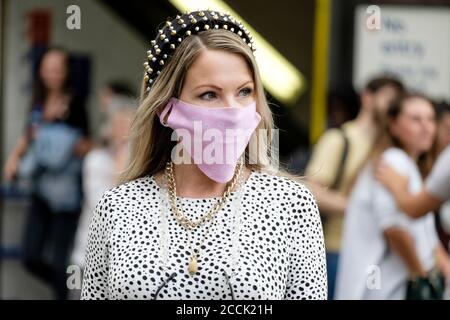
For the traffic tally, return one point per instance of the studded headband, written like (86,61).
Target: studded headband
(178,29)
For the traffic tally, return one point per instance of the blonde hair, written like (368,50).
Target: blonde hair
(151,144)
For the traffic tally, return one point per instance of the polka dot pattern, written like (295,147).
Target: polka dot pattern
(281,251)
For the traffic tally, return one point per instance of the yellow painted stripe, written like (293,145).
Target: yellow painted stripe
(320,69)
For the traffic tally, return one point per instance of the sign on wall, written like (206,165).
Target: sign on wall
(409,41)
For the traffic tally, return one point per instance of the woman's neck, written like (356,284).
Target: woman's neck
(365,122)
(55,94)
(191,182)
(413,154)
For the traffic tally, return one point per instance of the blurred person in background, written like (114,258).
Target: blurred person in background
(49,154)
(102,168)
(386,254)
(111,91)
(337,157)
(114,94)
(435,196)
(436,192)
(443,130)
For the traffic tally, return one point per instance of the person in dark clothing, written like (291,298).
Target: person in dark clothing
(49,154)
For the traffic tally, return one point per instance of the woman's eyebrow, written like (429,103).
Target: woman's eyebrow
(208,85)
(245,83)
(219,88)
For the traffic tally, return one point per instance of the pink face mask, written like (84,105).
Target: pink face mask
(214,138)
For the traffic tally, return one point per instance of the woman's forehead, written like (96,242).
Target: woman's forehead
(417,107)
(54,58)
(415,104)
(219,66)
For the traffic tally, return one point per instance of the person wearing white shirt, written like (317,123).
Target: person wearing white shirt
(384,248)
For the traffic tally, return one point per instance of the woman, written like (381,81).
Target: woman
(102,168)
(49,154)
(211,229)
(382,247)
(437,187)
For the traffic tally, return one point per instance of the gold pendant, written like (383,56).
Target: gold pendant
(193,265)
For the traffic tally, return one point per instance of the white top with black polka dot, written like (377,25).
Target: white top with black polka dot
(278,250)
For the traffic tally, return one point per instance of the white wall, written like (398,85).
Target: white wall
(117,52)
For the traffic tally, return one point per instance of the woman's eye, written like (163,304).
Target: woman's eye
(246,92)
(208,95)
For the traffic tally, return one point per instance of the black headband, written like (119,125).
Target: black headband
(178,29)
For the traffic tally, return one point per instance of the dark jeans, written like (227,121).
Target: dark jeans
(332,265)
(47,242)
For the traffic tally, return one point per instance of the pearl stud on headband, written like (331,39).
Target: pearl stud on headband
(178,29)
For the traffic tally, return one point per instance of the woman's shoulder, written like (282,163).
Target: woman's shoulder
(398,159)
(129,190)
(290,200)
(284,185)
(396,153)
(122,198)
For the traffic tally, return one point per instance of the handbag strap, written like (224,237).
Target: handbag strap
(340,172)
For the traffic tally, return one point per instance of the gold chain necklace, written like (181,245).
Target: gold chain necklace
(192,225)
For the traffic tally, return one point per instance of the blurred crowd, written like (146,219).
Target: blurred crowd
(68,169)
(381,181)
